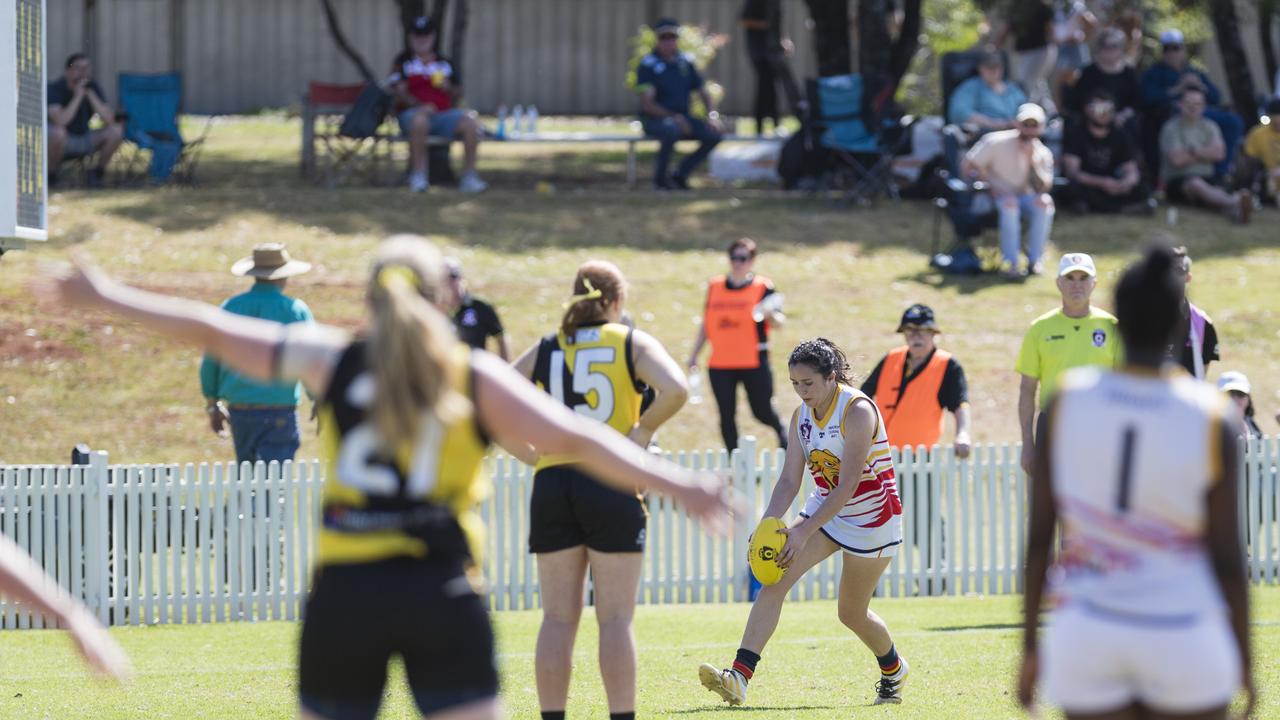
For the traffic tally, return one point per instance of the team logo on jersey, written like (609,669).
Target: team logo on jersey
(806,430)
(469,318)
(1099,337)
(825,468)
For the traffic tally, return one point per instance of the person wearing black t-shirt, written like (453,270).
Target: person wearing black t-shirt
(1111,73)
(476,320)
(1100,163)
(73,100)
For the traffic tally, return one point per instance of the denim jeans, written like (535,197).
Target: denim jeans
(264,434)
(668,132)
(1039,219)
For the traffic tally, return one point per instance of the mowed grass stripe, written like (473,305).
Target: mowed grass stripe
(962,650)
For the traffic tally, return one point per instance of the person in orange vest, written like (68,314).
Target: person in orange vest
(741,309)
(914,383)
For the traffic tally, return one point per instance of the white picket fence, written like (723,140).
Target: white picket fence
(144,544)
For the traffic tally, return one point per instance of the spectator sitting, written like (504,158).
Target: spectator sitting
(73,100)
(1111,73)
(1236,386)
(1262,155)
(475,320)
(1163,85)
(1019,169)
(427,86)
(986,101)
(1100,163)
(1190,145)
(263,416)
(664,80)
(914,383)
(1195,340)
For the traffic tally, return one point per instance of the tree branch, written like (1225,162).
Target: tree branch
(335,31)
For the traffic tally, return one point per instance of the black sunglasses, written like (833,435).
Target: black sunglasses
(740,258)
(1170,48)
(668,36)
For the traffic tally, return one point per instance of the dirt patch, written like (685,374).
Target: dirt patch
(32,343)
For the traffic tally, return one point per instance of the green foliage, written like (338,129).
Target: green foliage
(948,25)
(694,41)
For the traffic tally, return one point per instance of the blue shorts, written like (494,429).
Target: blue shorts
(443,124)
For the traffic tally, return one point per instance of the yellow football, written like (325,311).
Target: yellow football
(766,546)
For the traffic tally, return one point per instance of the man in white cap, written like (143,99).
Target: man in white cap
(1073,335)
(262,416)
(1018,167)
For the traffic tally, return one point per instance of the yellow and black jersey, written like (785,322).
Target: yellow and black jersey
(594,374)
(418,504)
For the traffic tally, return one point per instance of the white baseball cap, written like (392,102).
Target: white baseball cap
(1077,261)
(1172,36)
(1031,111)
(1234,380)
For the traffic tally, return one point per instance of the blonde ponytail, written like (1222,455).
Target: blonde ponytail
(598,285)
(411,344)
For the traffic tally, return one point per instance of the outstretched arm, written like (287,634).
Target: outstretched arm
(516,414)
(250,345)
(22,580)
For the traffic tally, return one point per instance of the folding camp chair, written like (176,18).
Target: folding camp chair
(968,206)
(339,156)
(152,104)
(859,142)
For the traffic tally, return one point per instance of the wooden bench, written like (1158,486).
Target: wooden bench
(325,104)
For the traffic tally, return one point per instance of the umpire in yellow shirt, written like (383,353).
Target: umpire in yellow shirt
(1070,336)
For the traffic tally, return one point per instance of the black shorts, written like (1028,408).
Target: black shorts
(569,508)
(359,615)
(1173,188)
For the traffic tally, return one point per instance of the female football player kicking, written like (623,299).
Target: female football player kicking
(837,432)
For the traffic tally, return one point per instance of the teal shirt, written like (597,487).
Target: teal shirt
(268,302)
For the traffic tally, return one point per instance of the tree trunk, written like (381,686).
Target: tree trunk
(340,40)
(1226,28)
(875,47)
(458,33)
(907,43)
(1266,28)
(831,36)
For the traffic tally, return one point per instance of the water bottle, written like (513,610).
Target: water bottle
(501,132)
(695,388)
(770,304)
(531,120)
(517,119)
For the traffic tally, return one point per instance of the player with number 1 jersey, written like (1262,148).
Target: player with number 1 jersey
(597,366)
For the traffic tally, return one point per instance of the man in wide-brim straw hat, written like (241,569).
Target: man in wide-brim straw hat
(262,416)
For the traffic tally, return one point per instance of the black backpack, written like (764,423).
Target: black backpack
(364,117)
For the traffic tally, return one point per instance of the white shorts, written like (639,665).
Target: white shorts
(1092,662)
(876,542)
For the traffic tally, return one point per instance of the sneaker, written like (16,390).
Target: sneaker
(728,684)
(679,182)
(93,179)
(889,687)
(418,182)
(471,183)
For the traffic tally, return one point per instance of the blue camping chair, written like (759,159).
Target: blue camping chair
(858,141)
(152,103)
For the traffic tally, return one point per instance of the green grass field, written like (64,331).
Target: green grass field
(847,274)
(963,652)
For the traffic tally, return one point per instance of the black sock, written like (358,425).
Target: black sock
(745,663)
(889,661)
(552,715)
(623,716)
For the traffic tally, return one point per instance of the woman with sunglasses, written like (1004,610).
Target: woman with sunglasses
(1235,385)
(408,413)
(741,309)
